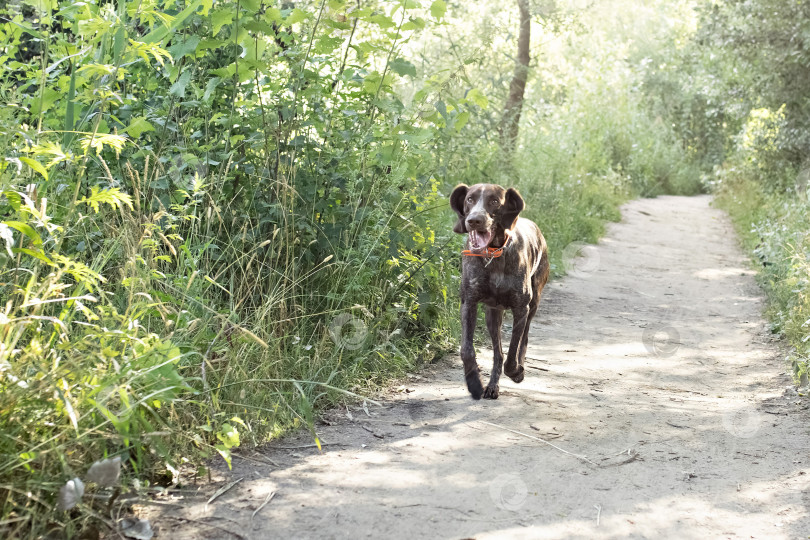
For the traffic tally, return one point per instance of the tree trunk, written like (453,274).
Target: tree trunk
(510,122)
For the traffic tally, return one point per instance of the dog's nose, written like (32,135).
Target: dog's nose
(475,221)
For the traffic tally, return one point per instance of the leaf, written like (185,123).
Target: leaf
(138,126)
(27,230)
(52,149)
(461,120)
(115,142)
(438,9)
(36,165)
(48,98)
(416,23)
(97,70)
(8,236)
(158,34)
(187,47)
(105,473)
(32,253)
(296,16)
(229,436)
(112,196)
(14,199)
(145,50)
(442,108)
(70,494)
(219,19)
(382,21)
(402,67)
(273,15)
(178,89)
(477,97)
(210,87)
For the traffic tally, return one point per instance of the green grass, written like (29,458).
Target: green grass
(775,230)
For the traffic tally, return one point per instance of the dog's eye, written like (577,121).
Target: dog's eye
(494,203)
(470,200)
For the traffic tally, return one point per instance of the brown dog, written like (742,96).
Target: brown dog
(505,266)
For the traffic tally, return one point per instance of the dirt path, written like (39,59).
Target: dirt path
(650,362)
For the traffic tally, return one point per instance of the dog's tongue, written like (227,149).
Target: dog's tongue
(479,240)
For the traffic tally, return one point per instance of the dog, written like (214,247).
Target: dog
(505,266)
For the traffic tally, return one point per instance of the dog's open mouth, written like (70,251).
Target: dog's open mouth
(480,239)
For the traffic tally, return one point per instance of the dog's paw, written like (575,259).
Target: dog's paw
(517,375)
(474,385)
(491,392)
(511,369)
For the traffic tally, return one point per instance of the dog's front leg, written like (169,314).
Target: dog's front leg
(469,316)
(494,322)
(512,368)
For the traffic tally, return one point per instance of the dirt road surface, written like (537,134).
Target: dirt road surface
(655,405)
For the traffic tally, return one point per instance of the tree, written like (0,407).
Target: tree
(510,122)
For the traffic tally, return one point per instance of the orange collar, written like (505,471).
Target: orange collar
(490,252)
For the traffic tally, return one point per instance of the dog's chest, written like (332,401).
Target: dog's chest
(497,289)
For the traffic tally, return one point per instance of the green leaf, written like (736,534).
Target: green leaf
(416,23)
(273,15)
(229,436)
(477,97)
(14,199)
(34,254)
(119,43)
(210,87)
(187,47)
(296,16)
(116,142)
(159,33)
(219,19)
(419,136)
(8,236)
(442,108)
(178,89)
(461,120)
(138,126)
(251,6)
(46,101)
(402,67)
(36,165)
(438,9)
(112,196)
(382,21)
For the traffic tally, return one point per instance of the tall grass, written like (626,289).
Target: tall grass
(766,197)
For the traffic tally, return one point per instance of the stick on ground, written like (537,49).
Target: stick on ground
(583,458)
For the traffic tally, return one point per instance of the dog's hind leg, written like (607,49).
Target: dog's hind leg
(469,316)
(524,342)
(494,322)
(537,287)
(514,365)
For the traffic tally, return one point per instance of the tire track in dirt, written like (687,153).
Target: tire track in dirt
(650,362)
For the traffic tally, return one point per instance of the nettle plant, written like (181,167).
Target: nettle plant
(186,186)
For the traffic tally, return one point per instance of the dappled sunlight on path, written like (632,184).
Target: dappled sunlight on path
(653,376)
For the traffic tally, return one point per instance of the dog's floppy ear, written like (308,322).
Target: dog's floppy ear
(457,203)
(513,206)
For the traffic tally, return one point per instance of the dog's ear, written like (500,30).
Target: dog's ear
(457,203)
(513,206)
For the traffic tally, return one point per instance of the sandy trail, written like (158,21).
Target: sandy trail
(650,362)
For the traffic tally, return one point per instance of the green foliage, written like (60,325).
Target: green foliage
(775,231)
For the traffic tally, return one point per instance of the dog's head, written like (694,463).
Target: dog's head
(485,211)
